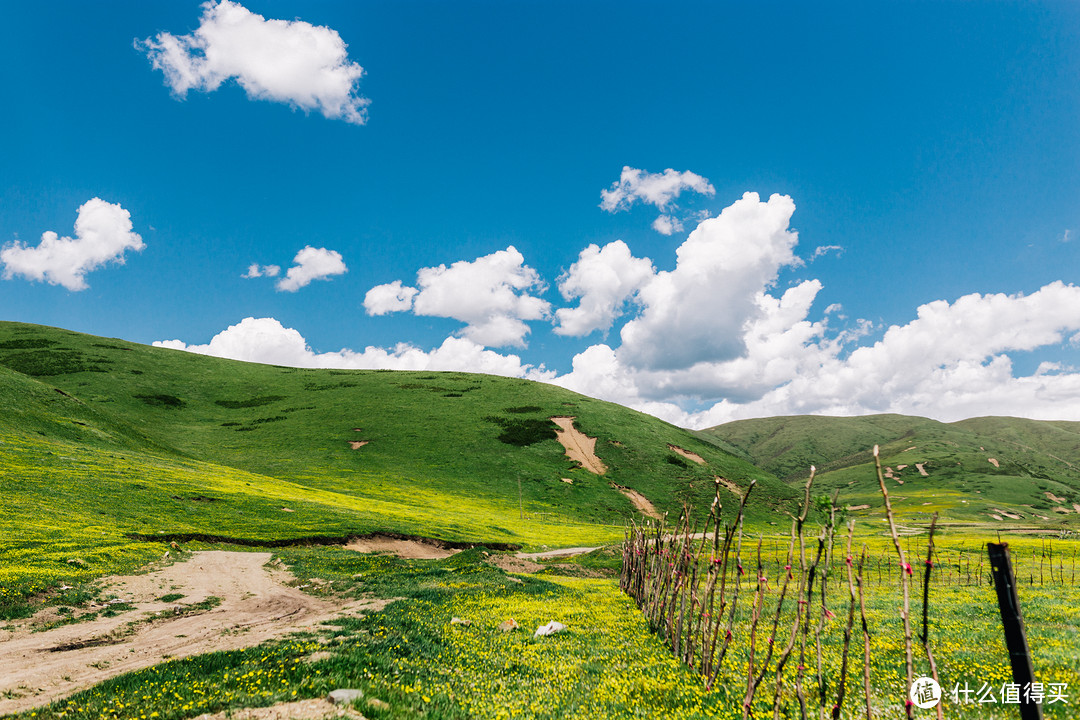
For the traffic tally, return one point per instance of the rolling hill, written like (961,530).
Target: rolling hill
(984,469)
(104,443)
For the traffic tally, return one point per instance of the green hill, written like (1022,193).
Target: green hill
(102,440)
(979,470)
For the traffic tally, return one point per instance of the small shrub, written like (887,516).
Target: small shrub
(169,401)
(26,344)
(250,402)
(523,432)
(44,363)
(677,460)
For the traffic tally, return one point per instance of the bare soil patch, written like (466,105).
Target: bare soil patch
(299,710)
(858,507)
(256,604)
(1055,498)
(408,549)
(687,454)
(357,444)
(994,462)
(922,470)
(642,503)
(730,486)
(579,446)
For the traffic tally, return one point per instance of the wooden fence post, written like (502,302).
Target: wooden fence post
(1013,622)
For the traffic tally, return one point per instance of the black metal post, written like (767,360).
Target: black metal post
(1013,622)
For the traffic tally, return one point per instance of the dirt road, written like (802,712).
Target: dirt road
(256,605)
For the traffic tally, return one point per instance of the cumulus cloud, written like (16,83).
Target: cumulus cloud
(255,271)
(287,61)
(951,362)
(698,311)
(489,294)
(667,225)
(103,233)
(657,189)
(311,264)
(265,340)
(388,298)
(713,340)
(604,279)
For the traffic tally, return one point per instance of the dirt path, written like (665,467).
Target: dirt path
(562,552)
(579,446)
(255,605)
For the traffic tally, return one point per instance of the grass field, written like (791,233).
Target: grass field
(606,665)
(102,439)
(109,450)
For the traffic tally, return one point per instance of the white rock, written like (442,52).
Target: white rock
(550,629)
(344,695)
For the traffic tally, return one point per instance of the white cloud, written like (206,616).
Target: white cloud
(489,294)
(103,233)
(698,311)
(712,342)
(604,279)
(951,362)
(311,264)
(667,225)
(826,249)
(255,271)
(286,61)
(657,189)
(265,340)
(392,297)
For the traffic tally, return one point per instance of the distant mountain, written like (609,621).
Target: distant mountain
(993,469)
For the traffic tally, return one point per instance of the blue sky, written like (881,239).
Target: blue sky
(923,158)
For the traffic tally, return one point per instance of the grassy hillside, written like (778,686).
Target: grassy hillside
(100,439)
(1021,471)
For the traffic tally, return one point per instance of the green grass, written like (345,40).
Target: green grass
(606,665)
(109,440)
